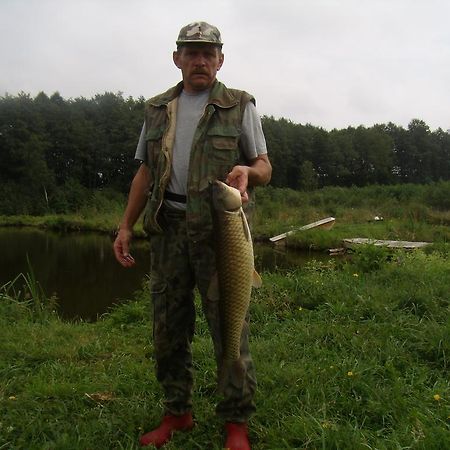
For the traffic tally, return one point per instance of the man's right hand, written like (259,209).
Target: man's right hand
(122,248)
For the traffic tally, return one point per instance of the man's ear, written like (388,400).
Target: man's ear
(176,58)
(221,59)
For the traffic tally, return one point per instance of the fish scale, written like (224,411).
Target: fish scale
(235,270)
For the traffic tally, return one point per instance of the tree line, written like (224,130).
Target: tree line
(307,157)
(54,152)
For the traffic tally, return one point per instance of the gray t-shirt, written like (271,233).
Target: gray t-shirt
(189,112)
(190,109)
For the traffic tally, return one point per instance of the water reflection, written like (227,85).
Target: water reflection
(270,258)
(81,270)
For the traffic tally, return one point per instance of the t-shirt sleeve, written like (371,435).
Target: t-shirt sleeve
(253,142)
(141,151)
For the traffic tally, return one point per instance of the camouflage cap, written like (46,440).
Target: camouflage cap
(199,32)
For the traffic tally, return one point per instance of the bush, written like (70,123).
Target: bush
(437,195)
(368,258)
(69,197)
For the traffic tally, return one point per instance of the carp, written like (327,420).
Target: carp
(232,285)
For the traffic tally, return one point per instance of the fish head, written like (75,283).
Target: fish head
(225,198)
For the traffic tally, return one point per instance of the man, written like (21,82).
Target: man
(194,133)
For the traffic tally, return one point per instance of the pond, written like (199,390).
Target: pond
(80,268)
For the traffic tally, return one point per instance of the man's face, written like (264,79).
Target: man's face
(199,64)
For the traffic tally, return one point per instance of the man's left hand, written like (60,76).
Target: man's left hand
(238,178)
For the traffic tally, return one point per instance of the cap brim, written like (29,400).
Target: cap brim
(198,41)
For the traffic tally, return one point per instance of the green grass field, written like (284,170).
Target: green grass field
(350,354)
(410,212)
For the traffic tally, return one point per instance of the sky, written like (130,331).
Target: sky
(329,63)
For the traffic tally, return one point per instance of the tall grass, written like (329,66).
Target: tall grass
(25,294)
(392,201)
(409,212)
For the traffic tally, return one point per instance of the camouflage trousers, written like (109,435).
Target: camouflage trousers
(177,267)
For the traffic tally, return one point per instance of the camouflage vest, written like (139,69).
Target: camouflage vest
(215,151)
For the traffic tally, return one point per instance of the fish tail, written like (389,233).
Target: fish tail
(231,372)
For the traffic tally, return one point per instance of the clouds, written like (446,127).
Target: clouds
(327,62)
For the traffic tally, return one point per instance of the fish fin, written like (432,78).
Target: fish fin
(213,289)
(232,372)
(247,233)
(257,281)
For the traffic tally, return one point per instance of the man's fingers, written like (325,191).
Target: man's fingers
(122,253)
(128,258)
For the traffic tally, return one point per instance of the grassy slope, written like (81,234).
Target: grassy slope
(351,356)
(411,212)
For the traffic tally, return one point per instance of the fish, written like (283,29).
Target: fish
(235,277)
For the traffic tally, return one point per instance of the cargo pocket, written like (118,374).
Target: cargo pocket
(158,292)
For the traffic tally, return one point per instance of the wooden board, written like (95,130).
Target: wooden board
(325,224)
(407,245)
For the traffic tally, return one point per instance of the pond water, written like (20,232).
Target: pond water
(80,268)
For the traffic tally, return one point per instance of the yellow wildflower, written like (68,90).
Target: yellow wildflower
(350,373)
(437,397)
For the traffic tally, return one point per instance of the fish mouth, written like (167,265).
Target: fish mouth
(225,198)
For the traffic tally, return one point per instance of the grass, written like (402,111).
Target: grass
(101,222)
(410,212)
(349,355)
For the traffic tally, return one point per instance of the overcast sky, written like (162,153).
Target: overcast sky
(330,63)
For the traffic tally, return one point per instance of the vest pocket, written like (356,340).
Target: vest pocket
(153,138)
(224,142)
(224,145)
(150,224)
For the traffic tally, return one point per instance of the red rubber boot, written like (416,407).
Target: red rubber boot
(237,436)
(161,435)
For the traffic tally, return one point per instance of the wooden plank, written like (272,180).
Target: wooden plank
(325,224)
(336,251)
(407,245)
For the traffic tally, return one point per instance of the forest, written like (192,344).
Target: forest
(55,152)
